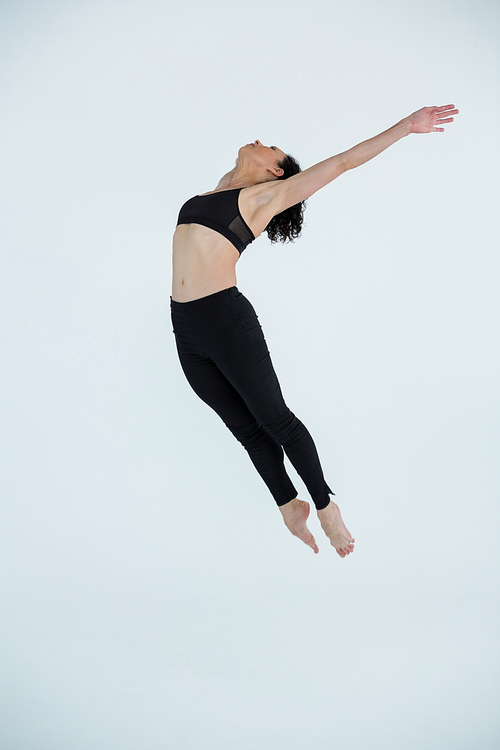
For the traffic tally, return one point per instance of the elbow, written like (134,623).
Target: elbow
(347,162)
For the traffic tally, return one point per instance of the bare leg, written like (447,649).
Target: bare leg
(335,529)
(295,514)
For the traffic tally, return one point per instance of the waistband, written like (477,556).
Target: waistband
(210,299)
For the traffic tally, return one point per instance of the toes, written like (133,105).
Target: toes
(344,551)
(312,543)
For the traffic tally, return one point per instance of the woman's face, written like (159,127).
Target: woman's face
(265,156)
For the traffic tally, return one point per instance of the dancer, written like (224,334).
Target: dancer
(220,343)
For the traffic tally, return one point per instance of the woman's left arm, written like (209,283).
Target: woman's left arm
(286,193)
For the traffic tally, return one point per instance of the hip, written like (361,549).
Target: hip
(222,314)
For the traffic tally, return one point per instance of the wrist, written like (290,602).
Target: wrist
(406,126)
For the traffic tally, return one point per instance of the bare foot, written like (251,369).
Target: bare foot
(295,515)
(335,529)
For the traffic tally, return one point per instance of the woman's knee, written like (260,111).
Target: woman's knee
(286,428)
(247,431)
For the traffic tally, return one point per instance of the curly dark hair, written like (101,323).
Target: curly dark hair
(286,226)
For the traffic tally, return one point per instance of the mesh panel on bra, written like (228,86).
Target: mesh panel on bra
(241,230)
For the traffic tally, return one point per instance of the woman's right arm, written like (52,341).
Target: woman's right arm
(286,193)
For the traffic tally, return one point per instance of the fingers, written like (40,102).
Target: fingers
(449,109)
(441,122)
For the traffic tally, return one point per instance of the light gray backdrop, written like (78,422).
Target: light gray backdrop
(151,597)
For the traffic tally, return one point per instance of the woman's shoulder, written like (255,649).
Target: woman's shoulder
(254,195)
(262,193)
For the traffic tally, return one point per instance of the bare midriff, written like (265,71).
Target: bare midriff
(204,262)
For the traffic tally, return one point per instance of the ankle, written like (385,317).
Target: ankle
(291,505)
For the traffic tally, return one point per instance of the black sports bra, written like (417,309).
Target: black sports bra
(219,211)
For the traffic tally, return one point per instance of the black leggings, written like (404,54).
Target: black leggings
(225,358)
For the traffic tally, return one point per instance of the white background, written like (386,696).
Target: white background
(151,596)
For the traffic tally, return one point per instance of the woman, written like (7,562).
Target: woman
(220,343)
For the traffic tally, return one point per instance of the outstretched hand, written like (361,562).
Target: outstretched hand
(427,119)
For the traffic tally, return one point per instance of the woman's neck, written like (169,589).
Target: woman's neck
(241,176)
